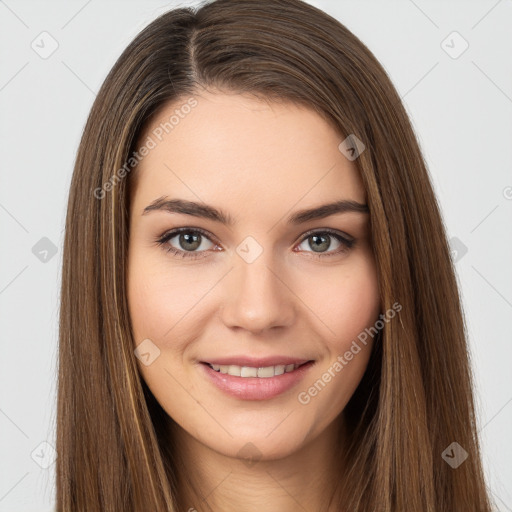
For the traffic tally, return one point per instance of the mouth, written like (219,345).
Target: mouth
(261,372)
(256,382)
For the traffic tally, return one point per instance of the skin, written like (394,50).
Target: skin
(259,162)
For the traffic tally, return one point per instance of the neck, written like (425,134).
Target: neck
(307,479)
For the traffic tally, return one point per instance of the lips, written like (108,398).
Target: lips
(268,382)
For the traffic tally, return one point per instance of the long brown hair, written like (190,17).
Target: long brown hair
(416,397)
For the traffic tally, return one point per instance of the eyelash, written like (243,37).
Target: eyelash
(346,244)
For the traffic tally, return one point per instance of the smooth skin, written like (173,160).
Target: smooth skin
(259,162)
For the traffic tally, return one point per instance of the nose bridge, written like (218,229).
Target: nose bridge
(257,298)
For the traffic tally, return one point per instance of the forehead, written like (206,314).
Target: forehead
(241,152)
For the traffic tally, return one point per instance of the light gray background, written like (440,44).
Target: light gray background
(461,109)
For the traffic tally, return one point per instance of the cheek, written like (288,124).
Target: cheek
(162,300)
(358,309)
(348,305)
(148,304)
(347,301)
(161,312)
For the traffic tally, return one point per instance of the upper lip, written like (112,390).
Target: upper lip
(256,362)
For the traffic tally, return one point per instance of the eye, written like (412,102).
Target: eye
(188,239)
(321,239)
(191,240)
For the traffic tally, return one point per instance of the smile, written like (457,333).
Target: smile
(250,371)
(255,383)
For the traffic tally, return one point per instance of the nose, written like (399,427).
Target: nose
(257,297)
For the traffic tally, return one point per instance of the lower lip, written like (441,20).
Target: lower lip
(256,388)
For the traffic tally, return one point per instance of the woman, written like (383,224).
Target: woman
(259,310)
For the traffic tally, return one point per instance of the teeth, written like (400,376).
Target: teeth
(279,369)
(268,371)
(249,371)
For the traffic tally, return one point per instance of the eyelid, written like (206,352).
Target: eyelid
(329,231)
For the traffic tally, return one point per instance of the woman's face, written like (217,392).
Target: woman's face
(250,286)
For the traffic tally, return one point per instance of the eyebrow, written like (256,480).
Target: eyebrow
(209,212)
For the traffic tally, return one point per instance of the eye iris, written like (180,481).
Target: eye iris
(187,238)
(322,245)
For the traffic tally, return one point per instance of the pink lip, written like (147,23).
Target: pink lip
(256,362)
(254,388)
